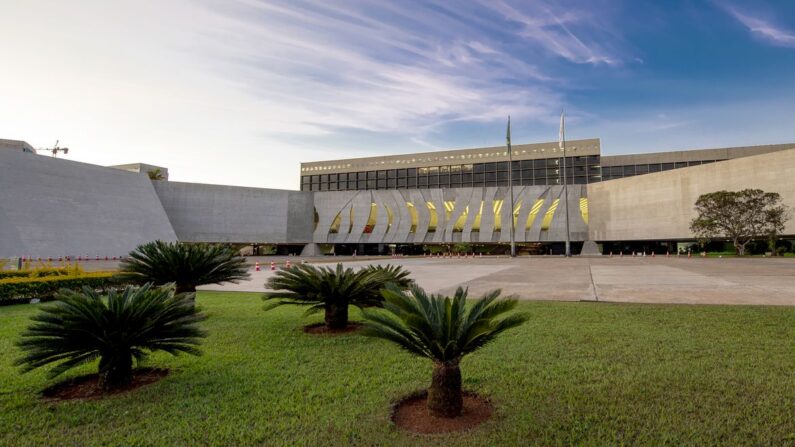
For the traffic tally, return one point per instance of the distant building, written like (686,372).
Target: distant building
(55,207)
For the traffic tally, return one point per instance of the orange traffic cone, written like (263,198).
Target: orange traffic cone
(273,265)
(256,266)
(288,265)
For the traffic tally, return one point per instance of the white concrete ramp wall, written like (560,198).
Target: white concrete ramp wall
(55,207)
(217,213)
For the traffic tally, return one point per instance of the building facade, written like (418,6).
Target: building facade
(55,207)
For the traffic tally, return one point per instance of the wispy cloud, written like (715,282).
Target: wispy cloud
(764,29)
(552,30)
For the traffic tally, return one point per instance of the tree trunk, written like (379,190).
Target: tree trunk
(445,398)
(185,288)
(115,371)
(337,315)
(740,248)
(190,289)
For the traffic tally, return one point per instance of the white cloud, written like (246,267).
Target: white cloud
(240,92)
(764,29)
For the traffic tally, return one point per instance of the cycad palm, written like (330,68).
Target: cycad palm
(331,290)
(443,330)
(186,265)
(81,327)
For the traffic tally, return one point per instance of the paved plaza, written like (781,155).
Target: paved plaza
(769,281)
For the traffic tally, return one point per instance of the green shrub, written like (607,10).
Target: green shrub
(83,326)
(42,270)
(45,288)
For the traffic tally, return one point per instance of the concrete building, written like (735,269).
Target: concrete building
(55,207)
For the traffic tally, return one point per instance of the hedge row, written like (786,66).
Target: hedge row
(39,272)
(45,288)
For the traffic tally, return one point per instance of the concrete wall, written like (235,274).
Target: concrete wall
(461,215)
(55,207)
(660,205)
(216,213)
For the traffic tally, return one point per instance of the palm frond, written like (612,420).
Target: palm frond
(438,327)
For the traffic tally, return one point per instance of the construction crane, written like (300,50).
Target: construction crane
(55,149)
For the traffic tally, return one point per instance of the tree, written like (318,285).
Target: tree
(186,265)
(332,290)
(443,330)
(81,327)
(156,174)
(740,216)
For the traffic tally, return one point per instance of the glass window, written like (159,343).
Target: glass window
(478,178)
(332,186)
(381,184)
(491,176)
(361,175)
(391,183)
(324,178)
(422,171)
(455,168)
(680,164)
(642,169)
(552,162)
(466,178)
(527,173)
(516,165)
(527,164)
(411,172)
(502,175)
(593,159)
(401,183)
(629,170)
(654,167)
(324,186)
(342,177)
(362,184)
(500,166)
(401,173)
(411,182)
(371,175)
(667,166)
(391,173)
(444,179)
(352,185)
(466,168)
(693,163)
(433,170)
(455,178)
(478,168)
(371,184)
(305,180)
(444,169)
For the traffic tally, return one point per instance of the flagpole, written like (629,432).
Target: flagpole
(510,187)
(565,183)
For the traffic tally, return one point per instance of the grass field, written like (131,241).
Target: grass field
(577,373)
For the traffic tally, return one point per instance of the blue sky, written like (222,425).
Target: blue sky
(241,91)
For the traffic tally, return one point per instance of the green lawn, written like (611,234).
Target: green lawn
(577,373)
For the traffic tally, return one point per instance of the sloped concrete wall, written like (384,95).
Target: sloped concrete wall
(660,205)
(55,207)
(217,213)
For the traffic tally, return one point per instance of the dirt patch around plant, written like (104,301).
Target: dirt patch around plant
(411,414)
(321,329)
(87,387)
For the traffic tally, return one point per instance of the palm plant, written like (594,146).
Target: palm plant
(81,327)
(186,265)
(331,290)
(443,330)
(394,274)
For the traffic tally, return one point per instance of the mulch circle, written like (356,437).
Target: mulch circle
(87,387)
(321,329)
(411,414)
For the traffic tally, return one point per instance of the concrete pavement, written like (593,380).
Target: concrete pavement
(768,281)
